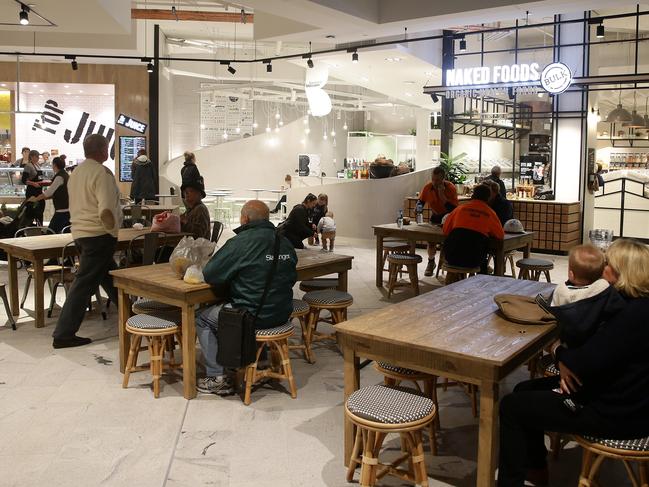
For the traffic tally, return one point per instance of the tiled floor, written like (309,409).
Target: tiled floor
(66,421)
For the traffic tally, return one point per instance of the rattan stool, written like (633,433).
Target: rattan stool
(395,263)
(319,284)
(393,375)
(509,257)
(455,273)
(531,269)
(629,451)
(394,247)
(158,332)
(301,311)
(5,301)
(336,302)
(377,411)
(276,339)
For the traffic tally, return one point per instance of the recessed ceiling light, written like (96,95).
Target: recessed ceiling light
(393,59)
(428,73)
(106,94)
(408,94)
(28,92)
(66,86)
(409,82)
(3,84)
(68,93)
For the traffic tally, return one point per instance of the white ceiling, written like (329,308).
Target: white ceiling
(48,89)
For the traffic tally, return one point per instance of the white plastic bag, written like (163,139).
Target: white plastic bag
(193,275)
(190,252)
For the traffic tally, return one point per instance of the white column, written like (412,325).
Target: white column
(423,156)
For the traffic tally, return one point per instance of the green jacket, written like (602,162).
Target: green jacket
(243,264)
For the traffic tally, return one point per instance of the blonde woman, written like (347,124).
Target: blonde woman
(610,372)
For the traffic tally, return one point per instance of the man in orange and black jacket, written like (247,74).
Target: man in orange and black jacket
(468,229)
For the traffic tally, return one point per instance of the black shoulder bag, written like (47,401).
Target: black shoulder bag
(236,329)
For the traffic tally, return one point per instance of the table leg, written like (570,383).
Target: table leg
(352,383)
(39,293)
(13,285)
(488,434)
(124,313)
(527,250)
(499,262)
(379,261)
(189,351)
(342,281)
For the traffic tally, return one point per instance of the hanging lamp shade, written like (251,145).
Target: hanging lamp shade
(619,114)
(636,121)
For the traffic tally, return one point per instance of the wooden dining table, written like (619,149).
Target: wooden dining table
(160,283)
(40,248)
(427,232)
(149,211)
(455,332)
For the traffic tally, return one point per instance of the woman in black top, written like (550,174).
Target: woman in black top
(610,372)
(297,226)
(144,178)
(58,193)
(190,173)
(32,179)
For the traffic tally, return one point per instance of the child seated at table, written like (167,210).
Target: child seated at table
(327,227)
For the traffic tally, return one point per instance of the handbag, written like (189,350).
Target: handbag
(166,222)
(235,334)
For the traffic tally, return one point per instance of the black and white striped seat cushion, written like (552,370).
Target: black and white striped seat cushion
(396,244)
(319,284)
(404,258)
(395,368)
(547,365)
(389,405)
(639,444)
(151,306)
(328,296)
(278,330)
(148,322)
(300,307)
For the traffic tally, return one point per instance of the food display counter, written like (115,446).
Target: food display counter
(556,225)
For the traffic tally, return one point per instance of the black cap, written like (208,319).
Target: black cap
(197,185)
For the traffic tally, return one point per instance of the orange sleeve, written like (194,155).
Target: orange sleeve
(423,194)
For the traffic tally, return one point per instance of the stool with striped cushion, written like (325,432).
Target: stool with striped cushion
(336,302)
(319,284)
(377,411)
(629,451)
(301,311)
(158,332)
(154,308)
(276,339)
(394,375)
(395,263)
(394,247)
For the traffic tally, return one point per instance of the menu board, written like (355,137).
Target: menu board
(224,114)
(128,149)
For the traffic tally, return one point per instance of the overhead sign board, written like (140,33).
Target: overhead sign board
(131,123)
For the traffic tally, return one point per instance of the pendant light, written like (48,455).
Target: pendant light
(619,114)
(636,120)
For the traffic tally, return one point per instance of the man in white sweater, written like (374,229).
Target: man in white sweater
(96,217)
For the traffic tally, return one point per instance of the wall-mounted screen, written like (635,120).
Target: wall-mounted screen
(128,149)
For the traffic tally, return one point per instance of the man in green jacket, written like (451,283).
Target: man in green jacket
(242,265)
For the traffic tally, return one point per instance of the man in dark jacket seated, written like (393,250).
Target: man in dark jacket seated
(297,226)
(242,265)
(502,206)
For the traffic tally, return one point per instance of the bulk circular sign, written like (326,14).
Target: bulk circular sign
(556,78)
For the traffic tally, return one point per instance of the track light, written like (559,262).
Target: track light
(243,16)
(149,67)
(355,57)
(24,15)
(74,64)
(309,62)
(269,68)
(600,31)
(231,69)
(510,93)
(434,97)
(463,44)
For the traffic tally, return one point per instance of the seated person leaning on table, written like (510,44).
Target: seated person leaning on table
(441,197)
(242,265)
(468,229)
(196,220)
(503,207)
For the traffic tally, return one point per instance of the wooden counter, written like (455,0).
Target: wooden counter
(556,225)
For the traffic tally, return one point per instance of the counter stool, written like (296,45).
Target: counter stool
(394,247)
(336,302)
(300,311)
(456,273)
(531,269)
(157,331)
(377,411)
(629,451)
(319,284)
(276,339)
(393,375)
(396,263)
(5,300)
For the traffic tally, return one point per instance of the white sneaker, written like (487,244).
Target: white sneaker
(221,386)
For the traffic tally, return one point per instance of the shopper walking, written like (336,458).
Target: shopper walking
(58,193)
(96,218)
(144,176)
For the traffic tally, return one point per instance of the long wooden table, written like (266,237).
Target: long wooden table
(149,211)
(160,283)
(44,247)
(452,332)
(426,232)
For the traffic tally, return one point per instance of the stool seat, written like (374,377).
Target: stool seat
(396,369)
(461,270)
(148,322)
(327,297)
(540,264)
(638,444)
(151,306)
(277,330)
(404,258)
(396,244)
(389,405)
(300,308)
(318,284)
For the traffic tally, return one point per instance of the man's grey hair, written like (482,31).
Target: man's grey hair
(495,170)
(94,144)
(255,210)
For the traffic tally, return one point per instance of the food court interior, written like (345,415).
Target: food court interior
(274,100)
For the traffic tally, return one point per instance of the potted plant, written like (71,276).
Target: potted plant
(454,168)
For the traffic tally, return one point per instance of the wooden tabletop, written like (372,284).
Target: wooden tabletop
(157,208)
(459,320)
(308,259)
(427,231)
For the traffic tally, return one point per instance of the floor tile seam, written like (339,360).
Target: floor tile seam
(175,445)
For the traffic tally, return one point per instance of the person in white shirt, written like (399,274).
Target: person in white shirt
(96,217)
(327,227)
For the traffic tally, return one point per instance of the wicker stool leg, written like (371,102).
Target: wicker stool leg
(308,356)
(282,349)
(250,378)
(155,353)
(131,362)
(644,474)
(354,459)
(414,278)
(547,276)
(378,442)
(421,477)
(392,279)
(369,462)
